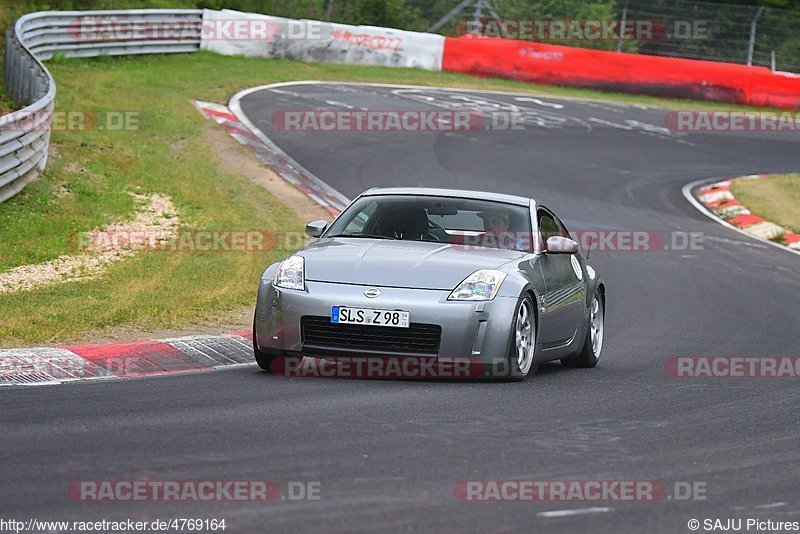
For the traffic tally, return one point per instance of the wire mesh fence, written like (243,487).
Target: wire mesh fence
(730,33)
(710,31)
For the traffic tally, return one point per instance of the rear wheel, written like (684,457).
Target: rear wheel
(593,345)
(521,361)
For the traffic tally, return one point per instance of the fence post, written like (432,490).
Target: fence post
(623,19)
(753,36)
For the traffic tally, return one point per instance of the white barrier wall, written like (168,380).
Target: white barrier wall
(235,33)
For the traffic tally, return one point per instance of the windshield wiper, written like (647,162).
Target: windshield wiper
(363,234)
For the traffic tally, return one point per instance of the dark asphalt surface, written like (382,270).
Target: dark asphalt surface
(388,453)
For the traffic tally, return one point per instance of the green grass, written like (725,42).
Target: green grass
(6,104)
(11,10)
(775,198)
(90,173)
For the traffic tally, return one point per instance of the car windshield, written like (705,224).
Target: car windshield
(457,221)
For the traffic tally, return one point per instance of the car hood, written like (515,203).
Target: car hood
(413,264)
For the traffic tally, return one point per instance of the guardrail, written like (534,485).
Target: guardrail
(25,134)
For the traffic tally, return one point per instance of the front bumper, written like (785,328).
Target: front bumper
(475,330)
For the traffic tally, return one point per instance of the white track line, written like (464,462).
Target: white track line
(575,511)
(234,105)
(245,92)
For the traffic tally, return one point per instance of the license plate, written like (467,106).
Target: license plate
(369,316)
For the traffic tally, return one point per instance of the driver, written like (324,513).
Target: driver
(495,224)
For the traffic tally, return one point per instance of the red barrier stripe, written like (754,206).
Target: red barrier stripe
(633,73)
(775,90)
(136,358)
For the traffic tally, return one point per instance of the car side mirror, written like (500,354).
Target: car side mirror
(316,228)
(561,245)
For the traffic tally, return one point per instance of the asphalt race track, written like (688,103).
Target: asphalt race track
(388,454)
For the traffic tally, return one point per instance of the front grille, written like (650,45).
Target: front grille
(321,334)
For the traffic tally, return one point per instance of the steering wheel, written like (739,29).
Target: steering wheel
(433,237)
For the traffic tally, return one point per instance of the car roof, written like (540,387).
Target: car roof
(455,193)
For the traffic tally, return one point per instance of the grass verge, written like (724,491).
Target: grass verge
(6,104)
(91,171)
(775,198)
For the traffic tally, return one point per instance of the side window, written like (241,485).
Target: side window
(548,227)
(563,228)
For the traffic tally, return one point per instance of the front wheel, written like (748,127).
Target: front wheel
(263,359)
(593,345)
(521,362)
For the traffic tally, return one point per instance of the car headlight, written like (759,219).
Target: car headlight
(291,273)
(480,285)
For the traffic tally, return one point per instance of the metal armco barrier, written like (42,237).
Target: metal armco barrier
(25,134)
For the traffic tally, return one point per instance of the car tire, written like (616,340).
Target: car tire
(263,359)
(593,344)
(522,349)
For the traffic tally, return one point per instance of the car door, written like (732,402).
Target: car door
(565,293)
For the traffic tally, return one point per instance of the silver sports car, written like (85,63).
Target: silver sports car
(435,274)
